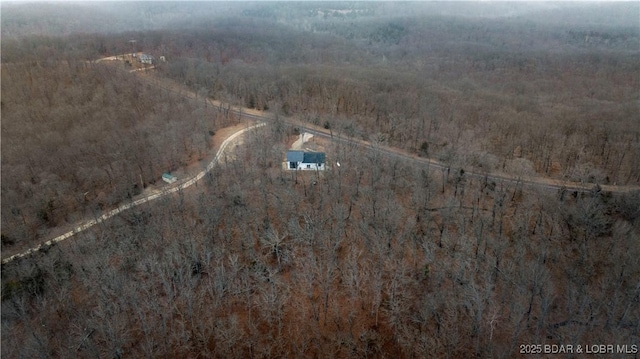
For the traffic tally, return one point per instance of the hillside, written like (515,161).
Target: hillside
(382,255)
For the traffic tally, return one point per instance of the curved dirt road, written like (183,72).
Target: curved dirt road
(126,206)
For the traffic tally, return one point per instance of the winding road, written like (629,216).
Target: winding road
(177,187)
(262,118)
(544,183)
(524,181)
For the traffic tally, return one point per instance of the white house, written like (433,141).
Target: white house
(300,160)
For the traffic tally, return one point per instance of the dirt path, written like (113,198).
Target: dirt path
(225,137)
(304,137)
(529,181)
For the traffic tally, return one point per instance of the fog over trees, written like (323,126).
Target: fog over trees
(382,256)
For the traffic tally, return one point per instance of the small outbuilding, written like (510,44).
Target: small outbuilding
(300,160)
(169,178)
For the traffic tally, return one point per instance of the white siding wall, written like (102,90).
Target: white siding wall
(310,166)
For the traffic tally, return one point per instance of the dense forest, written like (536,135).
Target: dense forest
(380,256)
(79,138)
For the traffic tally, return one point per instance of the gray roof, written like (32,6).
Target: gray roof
(295,156)
(305,157)
(313,157)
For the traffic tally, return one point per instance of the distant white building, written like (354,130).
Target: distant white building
(306,161)
(146,59)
